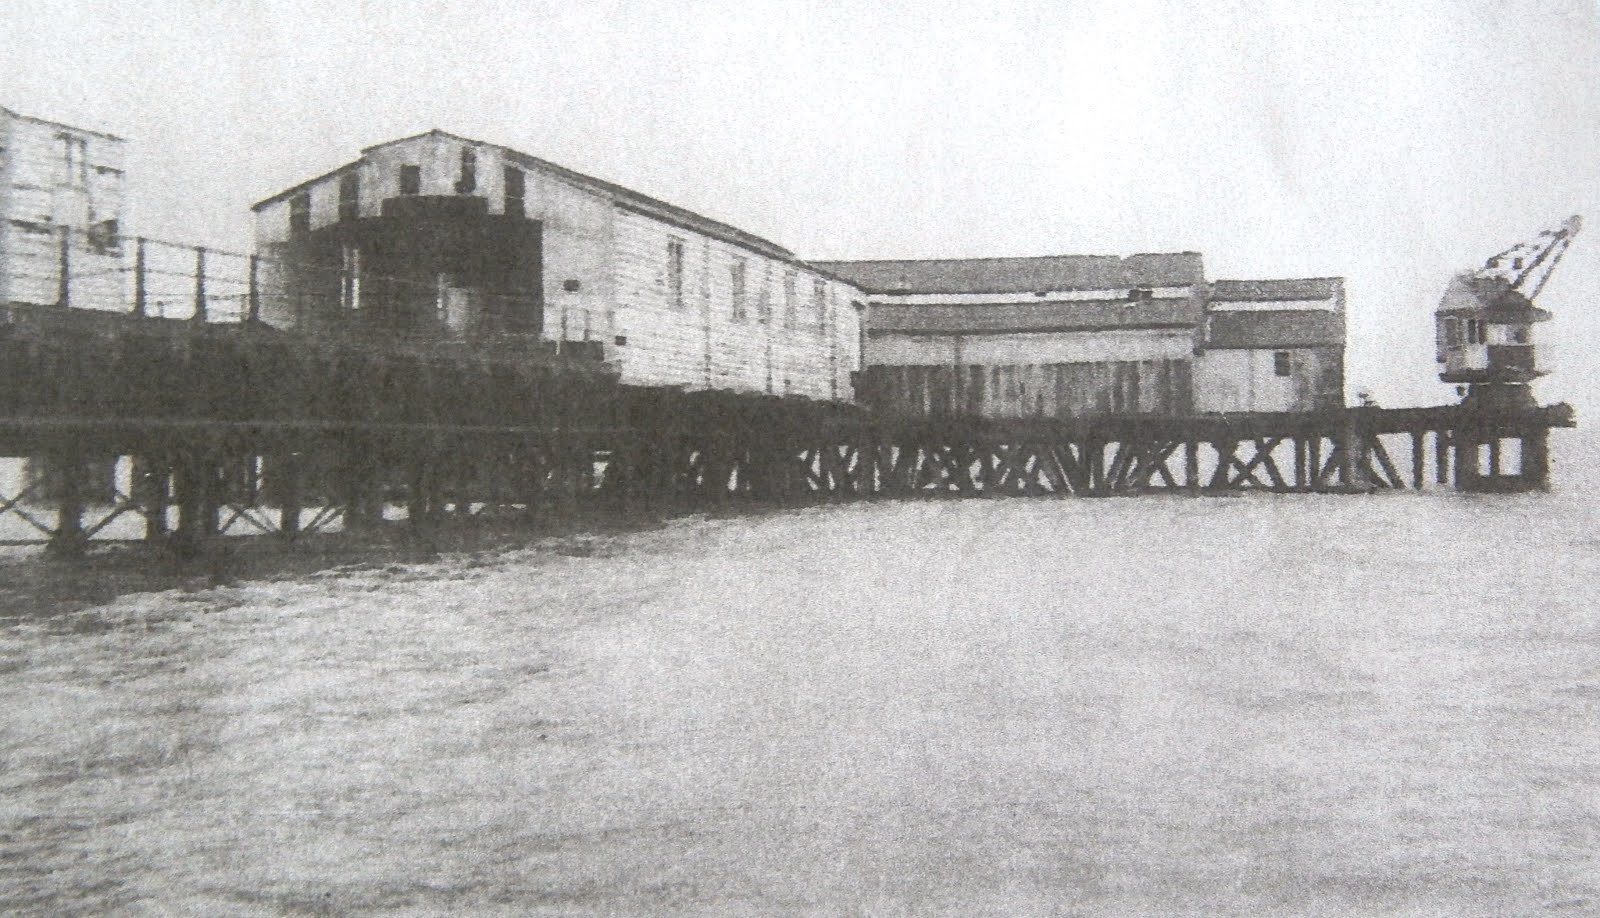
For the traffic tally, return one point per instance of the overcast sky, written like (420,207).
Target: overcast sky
(1389,143)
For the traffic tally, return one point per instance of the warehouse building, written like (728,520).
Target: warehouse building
(438,234)
(1075,335)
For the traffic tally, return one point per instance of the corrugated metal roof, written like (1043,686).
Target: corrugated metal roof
(1031,317)
(1021,275)
(1275,328)
(1303,288)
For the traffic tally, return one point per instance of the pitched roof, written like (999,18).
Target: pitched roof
(1274,329)
(60,124)
(1303,288)
(1021,275)
(625,197)
(1009,318)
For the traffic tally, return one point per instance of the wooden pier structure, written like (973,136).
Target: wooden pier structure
(230,427)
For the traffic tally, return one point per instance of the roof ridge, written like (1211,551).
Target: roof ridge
(62,124)
(904,261)
(626,195)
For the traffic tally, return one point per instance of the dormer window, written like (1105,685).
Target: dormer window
(410,180)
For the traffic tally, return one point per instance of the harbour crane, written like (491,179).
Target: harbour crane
(1484,322)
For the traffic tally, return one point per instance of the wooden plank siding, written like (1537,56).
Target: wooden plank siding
(1234,380)
(609,273)
(1061,390)
(706,340)
(44,189)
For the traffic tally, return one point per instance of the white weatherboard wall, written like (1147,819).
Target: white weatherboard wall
(703,343)
(54,176)
(618,259)
(1247,379)
(1010,349)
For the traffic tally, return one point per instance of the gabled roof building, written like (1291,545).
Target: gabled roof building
(440,234)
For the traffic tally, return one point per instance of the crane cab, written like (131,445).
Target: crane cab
(1485,333)
(1484,323)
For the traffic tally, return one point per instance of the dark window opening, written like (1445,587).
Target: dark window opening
(468,182)
(1280,363)
(349,197)
(790,307)
(1141,295)
(104,237)
(736,273)
(516,192)
(300,215)
(77,161)
(675,273)
(764,298)
(411,180)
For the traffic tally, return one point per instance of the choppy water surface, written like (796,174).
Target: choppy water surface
(1167,706)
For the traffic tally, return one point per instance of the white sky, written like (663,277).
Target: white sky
(1390,143)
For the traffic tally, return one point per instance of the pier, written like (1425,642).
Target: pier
(204,428)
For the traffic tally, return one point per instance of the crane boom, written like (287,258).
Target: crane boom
(1485,321)
(1530,264)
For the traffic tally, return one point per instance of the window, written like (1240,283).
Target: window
(516,192)
(77,161)
(819,302)
(764,298)
(411,180)
(350,278)
(105,237)
(1475,331)
(736,274)
(790,307)
(300,215)
(1280,363)
(675,273)
(467,183)
(349,197)
(1140,295)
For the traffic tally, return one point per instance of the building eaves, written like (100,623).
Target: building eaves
(62,124)
(1300,288)
(296,189)
(626,197)
(1021,275)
